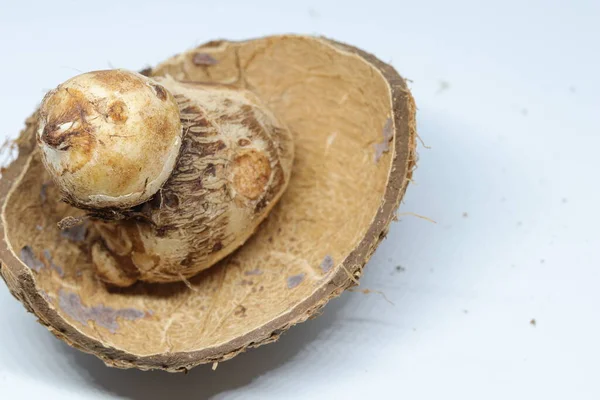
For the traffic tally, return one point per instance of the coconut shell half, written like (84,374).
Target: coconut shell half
(353,121)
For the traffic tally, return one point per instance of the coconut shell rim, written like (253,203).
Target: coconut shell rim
(21,281)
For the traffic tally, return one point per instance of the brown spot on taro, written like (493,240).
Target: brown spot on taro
(61,140)
(193,110)
(162,127)
(243,142)
(250,121)
(294,281)
(204,59)
(65,112)
(65,105)
(189,260)
(117,81)
(170,200)
(273,190)
(262,203)
(207,149)
(124,172)
(160,91)
(251,172)
(216,247)
(162,231)
(210,170)
(118,112)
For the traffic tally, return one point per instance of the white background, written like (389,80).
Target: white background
(509,101)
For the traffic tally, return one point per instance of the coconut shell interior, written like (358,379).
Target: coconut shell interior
(352,118)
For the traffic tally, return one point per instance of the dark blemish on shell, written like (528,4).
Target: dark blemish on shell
(204,59)
(44,191)
(75,233)
(294,281)
(240,311)
(217,246)
(146,71)
(103,316)
(161,92)
(28,257)
(55,267)
(388,135)
(46,296)
(253,272)
(32,261)
(327,264)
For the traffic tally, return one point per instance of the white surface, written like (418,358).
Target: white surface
(514,139)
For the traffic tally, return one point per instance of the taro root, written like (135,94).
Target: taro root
(175,175)
(352,123)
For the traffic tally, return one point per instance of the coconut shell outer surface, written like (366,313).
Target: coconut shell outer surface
(353,121)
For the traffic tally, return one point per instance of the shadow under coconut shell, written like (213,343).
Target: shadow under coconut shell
(164,290)
(202,382)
